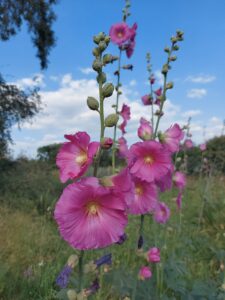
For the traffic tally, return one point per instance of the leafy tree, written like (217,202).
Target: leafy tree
(48,153)
(216,152)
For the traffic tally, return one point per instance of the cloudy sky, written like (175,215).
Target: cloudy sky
(198,74)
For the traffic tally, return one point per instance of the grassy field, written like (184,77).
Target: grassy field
(192,246)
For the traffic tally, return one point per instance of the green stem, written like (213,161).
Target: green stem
(80,270)
(116,109)
(152,110)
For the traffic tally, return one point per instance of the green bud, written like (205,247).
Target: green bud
(169,85)
(174,39)
(99,37)
(111,120)
(96,52)
(108,58)
(107,40)
(101,77)
(173,58)
(180,35)
(72,261)
(71,294)
(176,47)
(102,46)
(92,103)
(97,65)
(107,90)
(89,267)
(165,69)
(167,49)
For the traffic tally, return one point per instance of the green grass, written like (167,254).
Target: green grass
(193,254)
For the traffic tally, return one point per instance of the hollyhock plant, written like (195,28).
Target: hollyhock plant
(145,198)
(188,144)
(171,138)
(179,200)
(179,180)
(145,130)
(123,151)
(146,100)
(145,273)
(149,160)
(75,156)
(120,33)
(89,216)
(161,213)
(153,255)
(202,147)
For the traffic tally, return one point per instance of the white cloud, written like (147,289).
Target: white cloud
(191,113)
(201,78)
(86,71)
(196,93)
(30,82)
(159,77)
(133,82)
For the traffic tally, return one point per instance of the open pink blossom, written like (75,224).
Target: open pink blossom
(90,216)
(145,130)
(153,255)
(158,92)
(125,114)
(145,197)
(133,31)
(172,137)
(146,100)
(76,156)
(179,200)
(166,182)
(130,48)
(188,144)
(119,33)
(149,160)
(145,273)
(202,147)
(123,151)
(179,180)
(162,213)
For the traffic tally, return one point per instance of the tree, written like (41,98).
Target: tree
(38,15)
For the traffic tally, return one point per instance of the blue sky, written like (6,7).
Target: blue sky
(198,74)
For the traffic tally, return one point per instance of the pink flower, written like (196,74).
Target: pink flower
(130,49)
(179,200)
(162,213)
(166,182)
(125,114)
(76,156)
(202,147)
(188,144)
(158,92)
(146,99)
(179,180)
(152,79)
(145,273)
(106,143)
(123,151)
(145,197)
(145,130)
(149,160)
(153,255)
(119,33)
(172,137)
(133,31)
(90,216)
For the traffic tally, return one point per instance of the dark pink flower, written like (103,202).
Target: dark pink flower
(119,33)
(145,130)
(162,213)
(202,147)
(89,215)
(153,255)
(146,100)
(106,143)
(179,180)
(158,92)
(149,160)
(145,273)
(145,197)
(130,49)
(188,144)
(166,182)
(123,148)
(133,31)
(152,79)
(76,156)
(125,114)
(172,137)
(179,200)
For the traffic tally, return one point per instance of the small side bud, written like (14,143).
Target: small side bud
(107,40)
(174,39)
(101,77)
(158,113)
(128,67)
(102,46)
(173,58)
(111,120)
(167,49)
(96,52)
(99,37)
(92,103)
(108,58)
(176,47)
(107,90)
(165,69)
(169,85)
(97,65)
(72,261)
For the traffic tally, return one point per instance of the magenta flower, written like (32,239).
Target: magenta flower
(172,137)
(152,79)
(133,31)
(106,143)
(130,48)
(188,144)
(145,273)
(145,197)
(202,147)
(166,182)
(145,130)
(123,151)
(162,213)
(179,180)
(153,255)
(89,215)
(158,92)
(125,114)
(146,100)
(76,156)
(149,160)
(119,33)
(179,200)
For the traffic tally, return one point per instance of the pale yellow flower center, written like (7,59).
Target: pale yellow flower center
(148,159)
(92,208)
(120,34)
(139,190)
(81,158)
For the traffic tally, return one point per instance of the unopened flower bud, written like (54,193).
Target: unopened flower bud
(101,77)
(174,39)
(169,85)
(180,35)
(72,261)
(107,90)
(102,46)
(71,294)
(92,103)
(107,39)
(158,113)
(109,58)
(99,37)
(173,58)
(111,120)
(165,69)
(106,143)
(97,65)
(167,49)
(96,52)
(90,267)
(176,47)
(128,67)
